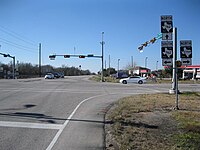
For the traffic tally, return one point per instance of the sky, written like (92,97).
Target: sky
(76,26)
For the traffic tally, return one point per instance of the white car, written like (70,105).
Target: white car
(134,79)
(49,76)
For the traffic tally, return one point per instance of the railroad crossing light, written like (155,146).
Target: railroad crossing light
(81,56)
(66,56)
(153,40)
(52,57)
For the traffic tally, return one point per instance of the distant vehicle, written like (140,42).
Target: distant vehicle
(134,79)
(56,74)
(49,76)
(61,75)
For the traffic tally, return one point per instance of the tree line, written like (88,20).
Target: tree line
(28,70)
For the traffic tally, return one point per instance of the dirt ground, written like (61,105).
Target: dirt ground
(150,130)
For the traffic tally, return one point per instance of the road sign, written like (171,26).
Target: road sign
(186,49)
(167,49)
(186,61)
(167,62)
(166,24)
(167,36)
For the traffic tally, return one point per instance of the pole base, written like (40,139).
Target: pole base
(172,91)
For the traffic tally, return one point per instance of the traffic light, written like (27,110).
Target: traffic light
(178,63)
(81,56)
(52,57)
(140,48)
(90,55)
(5,55)
(153,40)
(66,56)
(145,44)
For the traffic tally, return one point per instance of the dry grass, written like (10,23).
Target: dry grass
(150,122)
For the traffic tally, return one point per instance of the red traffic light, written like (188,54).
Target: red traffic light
(81,56)
(66,56)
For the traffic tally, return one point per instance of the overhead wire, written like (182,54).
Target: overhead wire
(18,46)
(17,36)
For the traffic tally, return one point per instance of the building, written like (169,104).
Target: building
(191,72)
(141,71)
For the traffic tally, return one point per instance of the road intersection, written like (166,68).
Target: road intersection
(62,114)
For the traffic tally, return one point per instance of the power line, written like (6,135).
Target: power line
(17,36)
(18,46)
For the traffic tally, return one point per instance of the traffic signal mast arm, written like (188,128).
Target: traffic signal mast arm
(52,57)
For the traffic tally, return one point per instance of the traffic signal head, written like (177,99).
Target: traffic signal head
(178,63)
(153,40)
(66,56)
(145,44)
(52,57)
(140,48)
(90,55)
(81,56)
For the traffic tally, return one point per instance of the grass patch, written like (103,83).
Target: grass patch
(149,121)
(106,79)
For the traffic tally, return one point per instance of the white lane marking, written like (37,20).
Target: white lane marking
(30,125)
(67,121)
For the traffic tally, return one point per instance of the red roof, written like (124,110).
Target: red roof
(191,67)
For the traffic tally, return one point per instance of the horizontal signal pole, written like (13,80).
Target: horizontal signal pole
(79,56)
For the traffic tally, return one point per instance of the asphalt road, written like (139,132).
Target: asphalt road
(62,114)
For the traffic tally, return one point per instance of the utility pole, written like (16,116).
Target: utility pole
(40,60)
(118,68)
(13,67)
(109,65)
(157,65)
(132,61)
(102,43)
(146,62)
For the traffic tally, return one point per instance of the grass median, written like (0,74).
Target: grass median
(149,122)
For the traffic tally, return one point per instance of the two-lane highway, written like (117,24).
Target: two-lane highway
(62,113)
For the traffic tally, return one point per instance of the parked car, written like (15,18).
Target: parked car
(134,79)
(61,75)
(49,76)
(56,75)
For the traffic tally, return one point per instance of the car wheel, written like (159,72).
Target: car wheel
(140,82)
(124,82)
